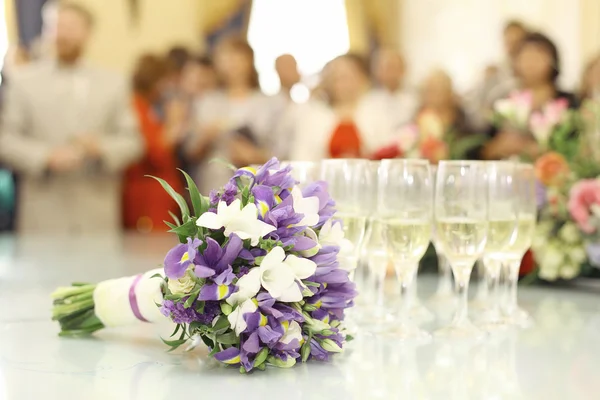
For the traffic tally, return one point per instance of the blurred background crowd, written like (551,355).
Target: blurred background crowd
(78,139)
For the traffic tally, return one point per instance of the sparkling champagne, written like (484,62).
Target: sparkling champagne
(524,236)
(407,238)
(501,234)
(462,240)
(354,227)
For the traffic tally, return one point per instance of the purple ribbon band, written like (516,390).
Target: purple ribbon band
(133,299)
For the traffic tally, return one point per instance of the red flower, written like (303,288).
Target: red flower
(527,264)
(434,149)
(390,151)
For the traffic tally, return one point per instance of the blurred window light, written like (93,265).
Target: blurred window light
(313,31)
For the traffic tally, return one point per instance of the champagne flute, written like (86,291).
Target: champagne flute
(502,231)
(444,295)
(349,187)
(304,172)
(404,207)
(461,218)
(526,205)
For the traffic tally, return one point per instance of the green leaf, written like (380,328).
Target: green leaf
(193,296)
(175,218)
(209,343)
(170,225)
(173,344)
(349,338)
(223,162)
(261,357)
(245,195)
(226,308)
(313,284)
(176,330)
(157,275)
(188,229)
(199,203)
(228,338)
(222,323)
(200,307)
(305,351)
(185,211)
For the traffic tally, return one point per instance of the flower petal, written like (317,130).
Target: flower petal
(174,268)
(203,272)
(229,356)
(291,294)
(302,267)
(248,286)
(276,279)
(210,220)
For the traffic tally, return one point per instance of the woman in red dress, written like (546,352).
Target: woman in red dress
(146,204)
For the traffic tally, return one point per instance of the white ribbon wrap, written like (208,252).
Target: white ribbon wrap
(112,304)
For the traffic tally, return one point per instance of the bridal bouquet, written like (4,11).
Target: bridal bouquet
(255,277)
(428,139)
(554,122)
(567,242)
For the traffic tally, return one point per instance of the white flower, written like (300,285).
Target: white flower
(293,331)
(548,274)
(569,233)
(243,222)
(248,286)
(332,234)
(308,206)
(183,285)
(236,318)
(280,275)
(331,346)
(569,271)
(595,209)
(552,258)
(577,255)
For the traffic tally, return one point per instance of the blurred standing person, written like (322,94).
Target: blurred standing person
(68,131)
(390,94)
(234,122)
(346,125)
(145,203)
(283,105)
(590,80)
(198,77)
(177,57)
(497,81)
(537,66)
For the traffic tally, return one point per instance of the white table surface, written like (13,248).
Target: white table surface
(559,358)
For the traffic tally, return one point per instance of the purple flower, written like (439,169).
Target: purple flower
(180,257)
(326,204)
(271,174)
(229,356)
(181,315)
(214,259)
(214,197)
(221,288)
(317,352)
(593,253)
(540,194)
(229,192)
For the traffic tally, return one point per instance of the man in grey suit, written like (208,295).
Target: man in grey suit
(67,129)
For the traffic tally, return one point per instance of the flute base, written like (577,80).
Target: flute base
(519,318)
(463,330)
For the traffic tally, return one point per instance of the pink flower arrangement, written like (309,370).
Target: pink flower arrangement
(542,123)
(584,195)
(515,109)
